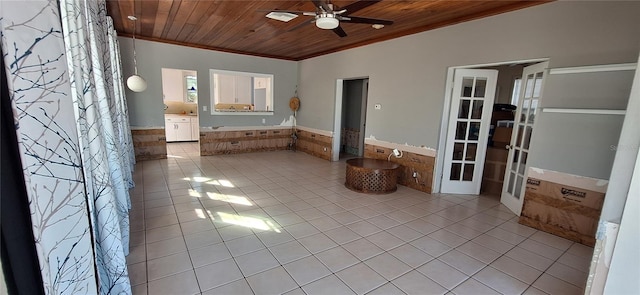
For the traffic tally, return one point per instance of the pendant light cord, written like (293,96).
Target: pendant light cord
(135,63)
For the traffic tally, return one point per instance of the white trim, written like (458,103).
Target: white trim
(593,69)
(241,113)
(337,121)
(242,128)
(425,151)
(146,127)
(584,111)
(316,131)
(493,64)
(442,136)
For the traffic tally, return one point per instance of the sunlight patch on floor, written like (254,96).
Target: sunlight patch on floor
(230,199)
(247,221)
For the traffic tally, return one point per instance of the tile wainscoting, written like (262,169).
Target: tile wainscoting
(410,162)
(232,141)
(314,143)
(149,144)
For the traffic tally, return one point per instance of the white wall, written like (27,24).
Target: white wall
(146,108)
(407,75)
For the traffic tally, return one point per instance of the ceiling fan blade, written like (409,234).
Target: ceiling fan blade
(323,4)
(364,20)
(353,7)
(340,32)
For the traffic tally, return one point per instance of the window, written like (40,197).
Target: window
(241,93)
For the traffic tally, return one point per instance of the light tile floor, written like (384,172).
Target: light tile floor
(283,222)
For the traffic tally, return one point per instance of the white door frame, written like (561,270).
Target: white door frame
(363,115)
(337,119)
(444,123)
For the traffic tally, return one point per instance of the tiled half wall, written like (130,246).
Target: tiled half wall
(149,144)
(410,162)
(224,141)
(314,143)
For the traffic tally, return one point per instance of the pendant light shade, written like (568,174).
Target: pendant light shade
(136,83)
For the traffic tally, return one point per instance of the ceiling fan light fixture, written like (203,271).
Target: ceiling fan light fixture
(327,23)
(377,26)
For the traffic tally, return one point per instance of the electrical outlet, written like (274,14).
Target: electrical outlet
(264,120)
(204,108)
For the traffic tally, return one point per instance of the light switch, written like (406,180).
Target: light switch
(264,120)
(377,106)
(204,108)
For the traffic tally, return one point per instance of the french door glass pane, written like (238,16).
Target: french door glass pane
(523,163)
(538,86)
(467,86)
(455,171)
(525,109)
(518,188)
(474,130)
(471,151)
(461,131)
(476,112)
(481,87)
(528,91)
(519,136)
(512,179)
(534,110)
(463,111)
(468,172)
(527,137)
(458,150)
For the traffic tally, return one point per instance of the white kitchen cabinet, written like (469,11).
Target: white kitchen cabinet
(172,85)
(195,128)
(177,128)
(179,86)
(234,89)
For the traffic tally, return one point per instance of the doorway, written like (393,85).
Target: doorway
(182,124)
(351,110)
(487,154)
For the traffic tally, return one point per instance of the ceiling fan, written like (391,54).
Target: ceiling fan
(328,17)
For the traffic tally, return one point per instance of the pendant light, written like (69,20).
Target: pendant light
(136,83)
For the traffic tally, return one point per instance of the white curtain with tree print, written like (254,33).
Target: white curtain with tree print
(103,132)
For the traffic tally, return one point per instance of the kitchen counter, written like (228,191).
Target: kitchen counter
(180,115)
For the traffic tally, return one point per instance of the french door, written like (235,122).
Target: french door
(468,130)
(516,172)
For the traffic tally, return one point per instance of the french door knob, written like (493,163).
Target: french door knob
(508,147)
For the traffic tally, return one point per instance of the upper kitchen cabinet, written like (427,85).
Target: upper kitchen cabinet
(179,86)
(241,93)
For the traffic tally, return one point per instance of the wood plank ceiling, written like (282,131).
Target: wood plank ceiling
(241,26)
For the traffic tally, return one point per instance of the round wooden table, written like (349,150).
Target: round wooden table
(371,176)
